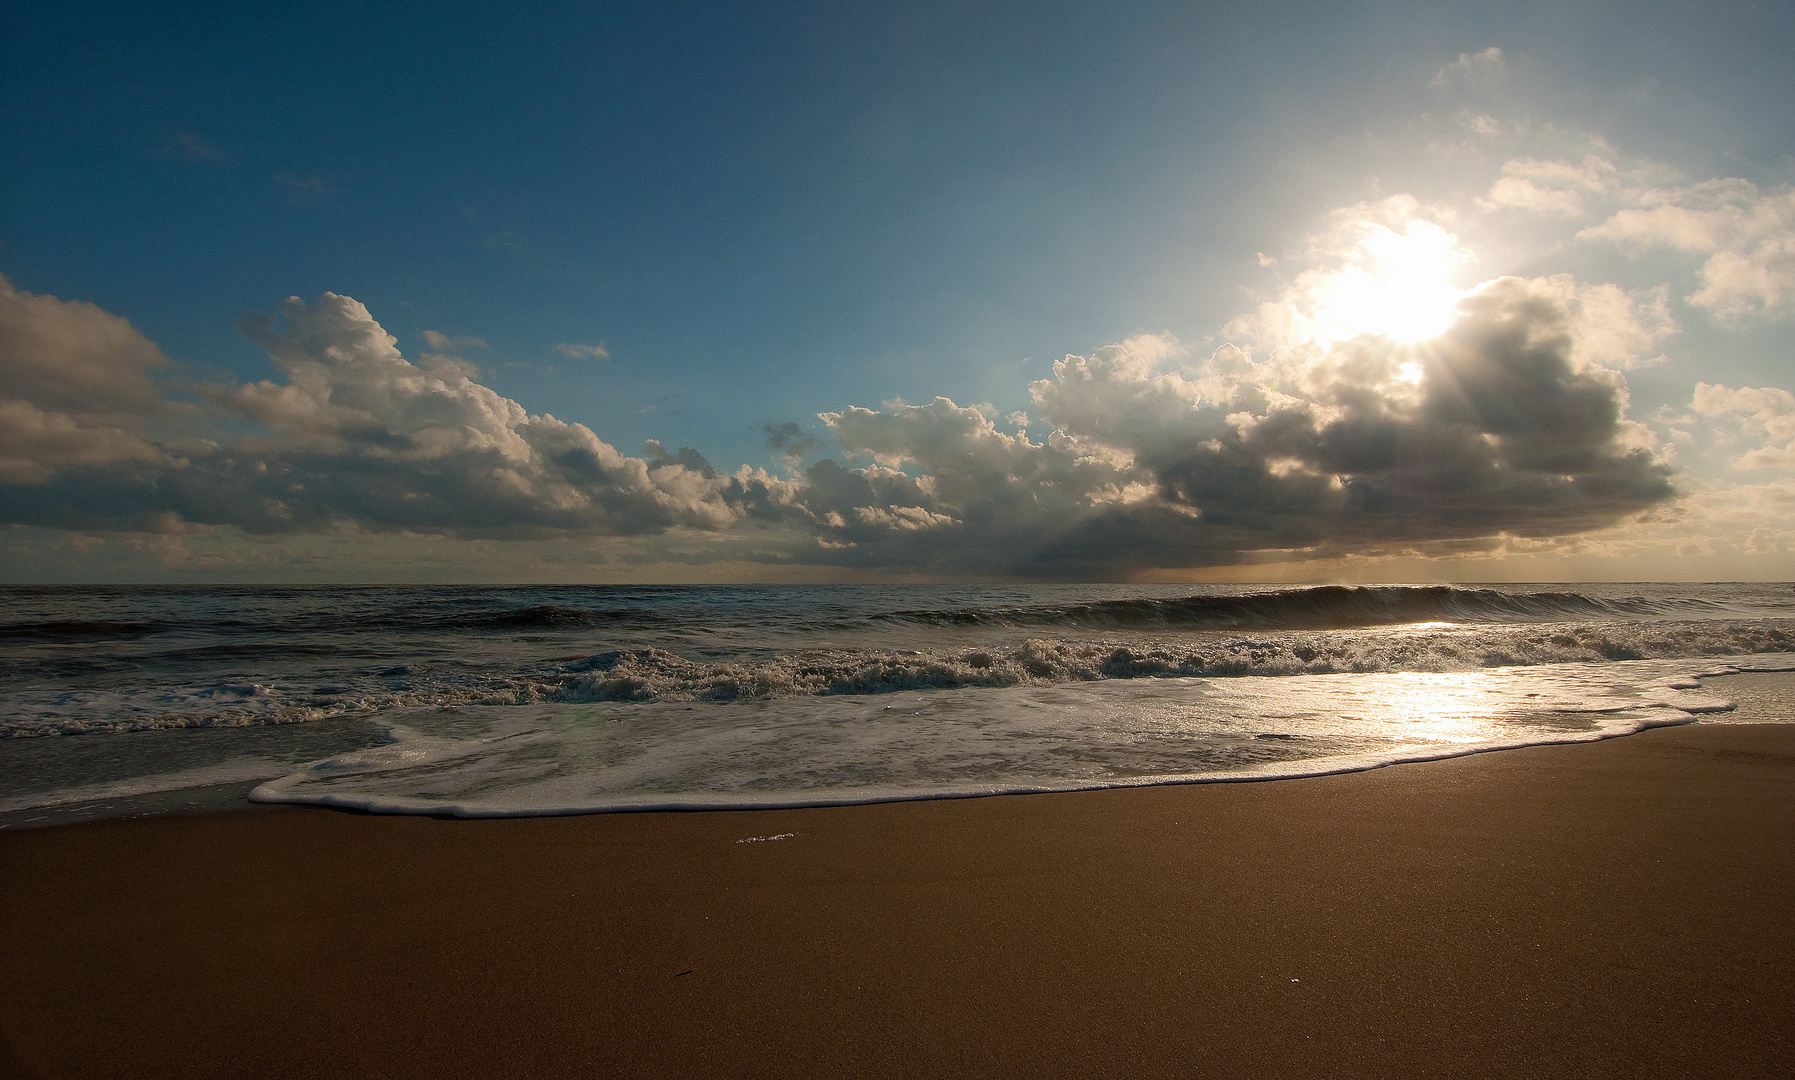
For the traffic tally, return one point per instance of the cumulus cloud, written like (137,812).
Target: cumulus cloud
(1510,424)
(1493,429)
(1554,188)
(355,435)
(77,388)
(1748,521)
(1748,235)
(1766,412)
(1613,327)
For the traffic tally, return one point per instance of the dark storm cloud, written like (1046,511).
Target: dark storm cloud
(1495,428)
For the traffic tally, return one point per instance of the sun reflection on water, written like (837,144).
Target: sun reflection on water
(1429,707)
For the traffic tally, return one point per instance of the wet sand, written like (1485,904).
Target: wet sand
(1621,909)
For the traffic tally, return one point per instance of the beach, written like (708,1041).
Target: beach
(1620,908)
(866,541)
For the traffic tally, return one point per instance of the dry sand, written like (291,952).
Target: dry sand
(1622,909)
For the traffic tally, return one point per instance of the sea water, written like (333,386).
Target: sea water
(491,701)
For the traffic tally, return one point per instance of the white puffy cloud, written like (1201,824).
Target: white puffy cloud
(1748,235)
(1767,412)
(1555,188)
(1745,234)
(72,355)
(355,435)
(1612,327)
(433,448)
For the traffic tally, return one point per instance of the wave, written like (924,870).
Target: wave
(652,674)
(1329,607)
(657,675)
(1325,607)
(578,759)
(539,616)
(550,616)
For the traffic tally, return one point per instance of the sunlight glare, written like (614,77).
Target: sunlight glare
(1397,284)
(1443,707)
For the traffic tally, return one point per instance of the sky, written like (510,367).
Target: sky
(677,292)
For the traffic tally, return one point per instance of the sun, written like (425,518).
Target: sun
(1395,282)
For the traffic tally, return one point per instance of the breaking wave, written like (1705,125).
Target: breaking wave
(1324,607)
(658,675)
(654,674)
(111,660)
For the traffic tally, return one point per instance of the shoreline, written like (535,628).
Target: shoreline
(1758,696)
(1598,909)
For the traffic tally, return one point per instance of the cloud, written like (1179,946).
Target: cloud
(1492,430)
(355,436)
(1735,522)
(372,437)
(583,352)
(436,339)
(1384,267)
(1554,188)
(1477,67)
(790,441)
(1612,327)
(1765,411)
(1151,457)
(1748,235)
(76,388)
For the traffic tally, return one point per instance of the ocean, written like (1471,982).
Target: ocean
(530,700)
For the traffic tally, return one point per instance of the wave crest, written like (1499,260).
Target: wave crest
(658,675)
(1323,607)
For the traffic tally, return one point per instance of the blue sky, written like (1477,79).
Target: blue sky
(695,224)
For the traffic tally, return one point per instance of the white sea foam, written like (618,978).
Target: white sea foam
(531,699)
(485,761)
(998,660)
(653,674)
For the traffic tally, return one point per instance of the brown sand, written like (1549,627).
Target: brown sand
(1622,909)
